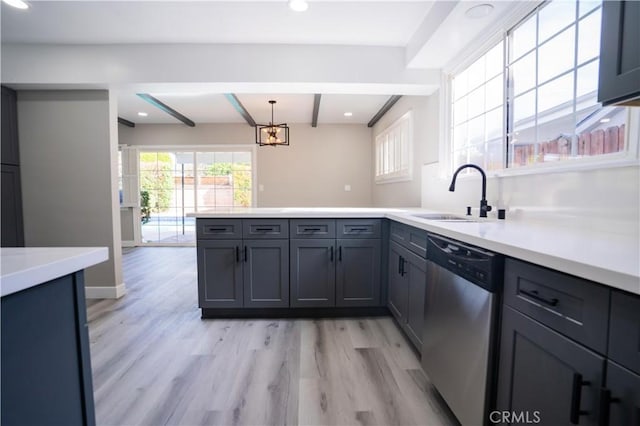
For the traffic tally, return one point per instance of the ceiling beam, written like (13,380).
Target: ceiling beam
(233,99)
(316,109)
(166,108)
(126,122)
(386,107)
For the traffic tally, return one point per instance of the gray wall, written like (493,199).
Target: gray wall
(312,171)
(425,149)
(67,150)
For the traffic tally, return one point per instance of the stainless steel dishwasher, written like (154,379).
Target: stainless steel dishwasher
(461,307)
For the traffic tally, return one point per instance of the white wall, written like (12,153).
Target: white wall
(69,190)
(425,149)
(312,171)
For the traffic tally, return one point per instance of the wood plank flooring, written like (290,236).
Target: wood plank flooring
(155,362)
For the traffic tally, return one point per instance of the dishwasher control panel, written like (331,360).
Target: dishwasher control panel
(482,267)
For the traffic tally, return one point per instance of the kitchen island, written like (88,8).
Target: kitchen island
(46,368)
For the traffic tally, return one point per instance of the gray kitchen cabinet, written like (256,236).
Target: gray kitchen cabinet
(313,273)
(570,349)
(327,271)
(12,232)
(624,330)
(398,291)
(546,376)
(243,273)
(220,274)
(46,363)
(620,399)
(619,79)
(358,272)
(266,273)
(406,293)
(10,153)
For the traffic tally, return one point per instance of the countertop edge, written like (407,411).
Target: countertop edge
(62,263)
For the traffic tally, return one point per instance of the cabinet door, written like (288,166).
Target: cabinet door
(266,273)
(313,273)
(10,152)
(624,330)
(358,272)
(219,274)
(416,275)
(542,372)
(620,52)
(11,215)
(621,397)
(398,288)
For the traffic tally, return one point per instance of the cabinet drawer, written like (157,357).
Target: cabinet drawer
(414,239)
(624,330)
(224,229)
(265,229)
(359,228)
(312,228)
(573,306)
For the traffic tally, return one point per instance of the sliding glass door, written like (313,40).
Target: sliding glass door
(176,183)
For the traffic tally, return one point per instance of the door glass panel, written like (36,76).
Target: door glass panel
(176,183)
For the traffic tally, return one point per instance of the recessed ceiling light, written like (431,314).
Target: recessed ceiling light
(18,4)
(298,5)
(142,114)
(605,120)
(479,11)
(348,114)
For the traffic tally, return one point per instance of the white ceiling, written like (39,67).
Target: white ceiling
(430,33)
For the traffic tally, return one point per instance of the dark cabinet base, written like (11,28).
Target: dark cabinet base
(46,369)
(295,312)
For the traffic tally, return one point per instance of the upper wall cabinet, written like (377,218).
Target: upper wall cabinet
(620,53)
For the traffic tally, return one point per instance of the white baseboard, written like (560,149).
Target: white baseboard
(128,243)
(107,292)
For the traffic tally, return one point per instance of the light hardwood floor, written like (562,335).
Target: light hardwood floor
(156,362)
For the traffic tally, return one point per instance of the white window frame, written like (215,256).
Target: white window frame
(394,151)
(628,157)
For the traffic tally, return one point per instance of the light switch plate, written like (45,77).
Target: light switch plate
(347,187)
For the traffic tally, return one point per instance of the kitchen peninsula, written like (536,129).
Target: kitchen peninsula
(610,259)
(46,368)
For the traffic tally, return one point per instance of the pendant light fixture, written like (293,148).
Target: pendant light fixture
(272,134)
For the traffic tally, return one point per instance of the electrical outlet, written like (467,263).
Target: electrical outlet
(260,187)
(347,187)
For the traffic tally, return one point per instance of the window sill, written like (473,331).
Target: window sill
(398,179)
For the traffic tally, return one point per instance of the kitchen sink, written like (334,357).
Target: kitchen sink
(443,217)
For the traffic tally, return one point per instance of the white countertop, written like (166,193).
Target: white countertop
(25,267)
(612,259)
(297,212)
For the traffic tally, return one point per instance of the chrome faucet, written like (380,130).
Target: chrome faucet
(484,207)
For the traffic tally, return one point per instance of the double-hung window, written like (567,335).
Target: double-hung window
(538,104)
